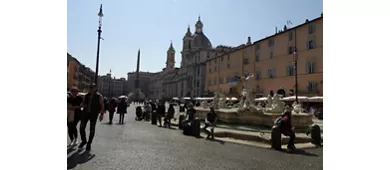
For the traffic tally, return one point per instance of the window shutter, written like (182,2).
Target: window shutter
(314,44)
(308,86)
(307,45)
(314,28)
(307,67)
(288,70)
(314,67)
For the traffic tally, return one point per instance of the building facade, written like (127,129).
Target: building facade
(112,87)
(271,62)
(144,78)
(189,79)
(78,75)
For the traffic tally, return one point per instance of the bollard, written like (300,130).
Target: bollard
(276,138)
(195,128)
(181,119)
(154,118)
(315,133)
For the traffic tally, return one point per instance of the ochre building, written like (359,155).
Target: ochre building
(271,62)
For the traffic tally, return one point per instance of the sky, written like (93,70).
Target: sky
(150,25)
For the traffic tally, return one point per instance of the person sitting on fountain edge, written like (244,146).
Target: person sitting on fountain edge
(287,129)
(190,114)
(210,121)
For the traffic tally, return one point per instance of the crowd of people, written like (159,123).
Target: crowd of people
(93,106)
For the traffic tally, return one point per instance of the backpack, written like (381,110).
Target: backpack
(278,121)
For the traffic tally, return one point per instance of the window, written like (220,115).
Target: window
(291,50)
(209,70)
(215,68)
(310,45)
(220,80)
(290,35)
(245,61)
(311,29)
(271,42)
(215,61)
(271,54)
(227,65)
(271,73)
(257,58)
(311,68)
(290,70)
(215,81)
(222,58)
(209,82)
(232,90)
(312,87)
(258,75)
(257,47)
(228,57)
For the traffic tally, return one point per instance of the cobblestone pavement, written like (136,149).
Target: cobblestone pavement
(140,145)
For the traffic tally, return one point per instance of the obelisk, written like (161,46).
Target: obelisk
(136,82)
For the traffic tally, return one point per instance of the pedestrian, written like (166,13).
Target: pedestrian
(210,121)
(74,108)
(287,129)
(170,114)
(93,104)
(111,106)
(160,112)
(122,110)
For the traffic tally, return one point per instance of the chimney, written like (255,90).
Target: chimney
(276,30)
(285,28)
(249,41)
(321,14)
(306,21)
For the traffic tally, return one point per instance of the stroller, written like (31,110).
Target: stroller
(138,113)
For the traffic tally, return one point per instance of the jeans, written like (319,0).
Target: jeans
(92,118)
(211,132)
(121,117)
(72,128)
(292,139)
(111,116)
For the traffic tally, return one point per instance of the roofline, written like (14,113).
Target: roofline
(305,23)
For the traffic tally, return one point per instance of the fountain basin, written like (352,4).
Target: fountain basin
(232,116)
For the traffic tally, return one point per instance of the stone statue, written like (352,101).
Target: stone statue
(296,108)
(222,101)
(204,104)
(274,105)
(216,101)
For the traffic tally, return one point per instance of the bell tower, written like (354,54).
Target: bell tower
(170,64)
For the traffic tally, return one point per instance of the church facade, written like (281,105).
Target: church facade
(190,79)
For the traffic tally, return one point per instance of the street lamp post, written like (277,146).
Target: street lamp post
(100,14)
(296,76)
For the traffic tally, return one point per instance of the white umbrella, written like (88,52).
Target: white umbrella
(186,98)
(292,98)
(261,99)
(233,99)
(175,98)
(316,98)
(122,97)
(198,98)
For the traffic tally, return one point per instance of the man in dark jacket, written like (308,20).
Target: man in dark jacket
(93,104)
(287,129)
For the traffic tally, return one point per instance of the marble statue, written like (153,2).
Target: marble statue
(204,104)
(216,101)
(274,105)
(222,101)
(296,108)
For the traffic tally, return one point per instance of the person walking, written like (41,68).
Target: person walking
(122,110)
(170,114)
(160,112)
(93,104)
(74,108)
(111,106)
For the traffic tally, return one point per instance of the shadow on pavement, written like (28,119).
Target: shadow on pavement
(70,149)
(77,158)
(217,140)
(298,152)
(106,123)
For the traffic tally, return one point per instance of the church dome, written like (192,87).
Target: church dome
(201,41)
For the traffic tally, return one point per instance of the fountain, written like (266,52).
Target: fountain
(247,113)
(222,101)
